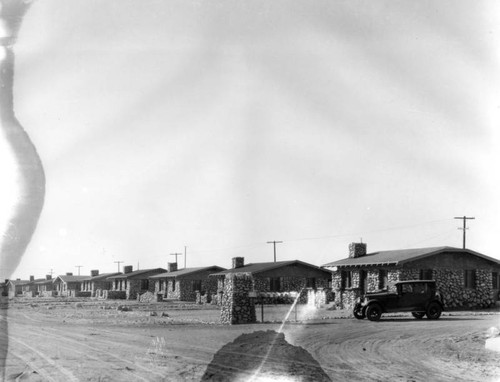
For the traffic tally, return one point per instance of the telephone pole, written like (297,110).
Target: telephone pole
(78,266)
(274,242)
(176,254)
(118,262)
(185,251)
(464,218)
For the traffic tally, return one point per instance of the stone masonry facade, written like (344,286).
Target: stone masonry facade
(450,283)
(237,307)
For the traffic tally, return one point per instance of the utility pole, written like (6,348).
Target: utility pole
(51,272)
(274,244)
(176,254)
(185,251)
(118,262)
(464,218)
(78,266)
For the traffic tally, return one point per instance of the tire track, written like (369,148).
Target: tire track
(69,376)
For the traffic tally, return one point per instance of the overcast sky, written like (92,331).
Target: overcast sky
(221,125)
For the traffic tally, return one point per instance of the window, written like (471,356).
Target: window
(275,284)
(145,284)
(406,288)
(363,280)
(382,279)
(196,285)
(426,274)
(346,279)
(311,282)
(173,285)
(470,278)
(494,280)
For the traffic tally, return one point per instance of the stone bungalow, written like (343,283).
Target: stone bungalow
(275,280)
(188,284)
(132,283)
(15,287)
(464,277)
(29,289)
(98,284)
(68,285)
(45,287)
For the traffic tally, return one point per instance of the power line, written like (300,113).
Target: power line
(258,244)
(464,228)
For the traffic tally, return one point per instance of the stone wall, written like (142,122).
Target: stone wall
(450,283)
(116,294)
(373,280)
(237,307)
(393,276)
(171,293)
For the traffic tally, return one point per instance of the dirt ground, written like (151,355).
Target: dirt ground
(63,340)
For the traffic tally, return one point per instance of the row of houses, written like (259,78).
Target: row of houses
(188,284)
(464,277)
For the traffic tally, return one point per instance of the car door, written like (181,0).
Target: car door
(406,296)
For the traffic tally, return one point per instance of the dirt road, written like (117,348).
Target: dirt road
(86,342)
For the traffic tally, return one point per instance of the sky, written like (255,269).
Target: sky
(213,127)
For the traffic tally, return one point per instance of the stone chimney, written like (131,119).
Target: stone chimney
(357,250)
(69,273)
(171,267)
(238,262)
(94,272)
(127,268)
(32,278)
(48,277)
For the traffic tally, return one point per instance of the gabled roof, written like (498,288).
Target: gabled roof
(102,276)
(256,268)
(70,279)
(188,272)
(400,256)
(137,274)
(18,282)
(43,281)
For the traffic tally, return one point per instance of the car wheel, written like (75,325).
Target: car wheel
(434,311)
(373,312)
(358,313)
(418,315)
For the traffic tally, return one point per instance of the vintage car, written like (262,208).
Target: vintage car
(420,297)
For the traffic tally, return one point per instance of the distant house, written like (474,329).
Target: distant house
(98,284)
(279,278)
(131,283)
(465,278)
(68,285)
(15,287)
(184,284)
(4,289)
(45,287)
(29,289)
